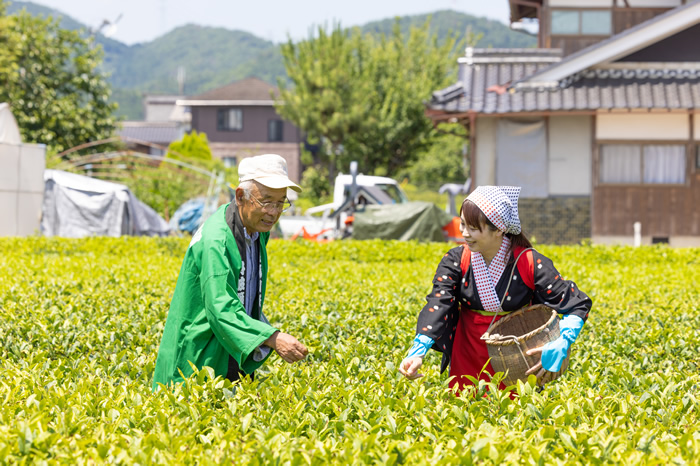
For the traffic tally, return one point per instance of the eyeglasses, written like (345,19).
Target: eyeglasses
(271,207)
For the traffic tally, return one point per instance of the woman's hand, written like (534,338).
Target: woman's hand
(537,369)
(409,367)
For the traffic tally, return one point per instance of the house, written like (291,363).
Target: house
(601,132)
(240,120)
(165,122)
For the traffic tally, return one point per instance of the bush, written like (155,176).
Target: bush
(82,321)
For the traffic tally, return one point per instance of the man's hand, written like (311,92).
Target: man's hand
(409,367)
(288,347)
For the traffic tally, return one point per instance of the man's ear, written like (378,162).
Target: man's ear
(240,194)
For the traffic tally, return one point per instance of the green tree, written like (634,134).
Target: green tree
(362,96)
(328,75)
(193,146)
(169,185)
(442,161)
(51,79)
(404,72)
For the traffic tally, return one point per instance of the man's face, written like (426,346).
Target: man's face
(255,218)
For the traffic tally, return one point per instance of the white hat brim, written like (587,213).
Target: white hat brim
(277,182)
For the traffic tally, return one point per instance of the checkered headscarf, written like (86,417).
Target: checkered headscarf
(500,205)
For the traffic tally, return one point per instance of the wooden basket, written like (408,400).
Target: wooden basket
(511,337)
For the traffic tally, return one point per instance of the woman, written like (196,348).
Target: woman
(461,306)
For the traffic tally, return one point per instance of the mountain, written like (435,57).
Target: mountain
(493,33)
(212,57)
(111,47)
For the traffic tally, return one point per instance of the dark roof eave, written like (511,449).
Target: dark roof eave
(520,10)
(616,37)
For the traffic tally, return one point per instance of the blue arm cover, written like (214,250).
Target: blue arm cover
(421,345)
(555,351)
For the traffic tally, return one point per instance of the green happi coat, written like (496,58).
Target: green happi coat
(207,323)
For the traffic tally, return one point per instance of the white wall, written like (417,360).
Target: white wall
(696,126)
(159,111)
(654,3)
(485,151)
(644,127)
(21,188)
(570,155)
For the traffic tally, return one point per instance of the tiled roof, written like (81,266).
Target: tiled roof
(485,80)
(246,89)
(159,133)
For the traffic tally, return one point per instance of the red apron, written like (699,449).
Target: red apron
(469,352)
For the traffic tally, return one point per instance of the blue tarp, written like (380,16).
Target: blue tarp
(188,217)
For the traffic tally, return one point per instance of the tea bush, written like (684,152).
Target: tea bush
(82,319)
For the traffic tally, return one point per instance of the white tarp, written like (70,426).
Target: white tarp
(76,206)
(9,131)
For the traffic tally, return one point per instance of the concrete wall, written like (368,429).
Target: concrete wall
(570,149)
(21,188)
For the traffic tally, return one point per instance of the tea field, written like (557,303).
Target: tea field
(81,322)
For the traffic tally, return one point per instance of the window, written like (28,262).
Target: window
(229,119)
(230,161)
(274,130)
(697,158)
(393,192)
(582,22)
(565,22)
(642,164)
(596,23)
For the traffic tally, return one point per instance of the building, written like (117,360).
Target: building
(240,120)
(602,132)
(165,122)
(21,179)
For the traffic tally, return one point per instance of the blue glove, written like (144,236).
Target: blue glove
(421,345)
(554,352)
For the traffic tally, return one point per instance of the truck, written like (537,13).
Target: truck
(328,221)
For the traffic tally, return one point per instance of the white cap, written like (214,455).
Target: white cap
(269,170)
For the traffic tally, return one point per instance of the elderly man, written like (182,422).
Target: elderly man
(216,316)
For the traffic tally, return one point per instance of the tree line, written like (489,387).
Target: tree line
(355,95)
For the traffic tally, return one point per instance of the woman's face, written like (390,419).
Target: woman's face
(486,241)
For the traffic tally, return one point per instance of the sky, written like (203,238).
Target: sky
(275,20)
